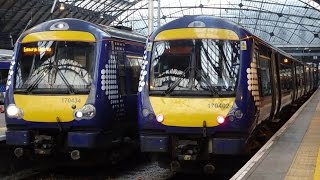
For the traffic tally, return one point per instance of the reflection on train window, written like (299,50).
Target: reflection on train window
(195,65)
(285,71)
(264,74)
(55,65)
(129,72)
(3,79)
(299,71)
(133,65)
(307,77)
(121,63)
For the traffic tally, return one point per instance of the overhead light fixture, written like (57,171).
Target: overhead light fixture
(61,7)
(101,15)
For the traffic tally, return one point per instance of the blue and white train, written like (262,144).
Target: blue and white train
(208,83)
(72,88)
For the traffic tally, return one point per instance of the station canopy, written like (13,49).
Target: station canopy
(279,22)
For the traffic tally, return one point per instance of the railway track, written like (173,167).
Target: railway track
(25,174)
(134,168)
(137,166)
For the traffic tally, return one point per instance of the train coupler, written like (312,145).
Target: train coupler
(43,144)
(187,157)
(204,129)
(187,150)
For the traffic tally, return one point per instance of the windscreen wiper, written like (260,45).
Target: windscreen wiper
(64,79)
(37,81)
(207,81)
(176,83)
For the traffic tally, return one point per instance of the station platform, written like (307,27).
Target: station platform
(293,152)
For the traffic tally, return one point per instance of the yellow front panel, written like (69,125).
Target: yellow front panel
(59,36)
(196,33)
(191,112)
(42,108)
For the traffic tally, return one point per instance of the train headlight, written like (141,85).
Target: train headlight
(14,112)
(79,114)
(88,111)
(220,119)
(160,118)
(238,114)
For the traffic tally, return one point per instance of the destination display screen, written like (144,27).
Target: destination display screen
(36,50)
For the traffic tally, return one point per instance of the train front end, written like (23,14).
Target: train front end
(52,102)
(193,94)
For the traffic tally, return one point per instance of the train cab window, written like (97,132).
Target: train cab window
(264,76)
(206,67)
(169,63)
(55,66)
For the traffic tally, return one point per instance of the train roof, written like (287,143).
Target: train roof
(214,22)
(81,25)
(207,22)
(120,33)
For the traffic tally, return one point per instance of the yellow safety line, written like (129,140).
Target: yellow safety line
(306,158)
(3,131)
(316,175)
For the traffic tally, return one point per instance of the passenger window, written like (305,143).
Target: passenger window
(300,76)
(285,71)
(264,76)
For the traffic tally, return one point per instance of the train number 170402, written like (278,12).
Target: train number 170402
(219,105)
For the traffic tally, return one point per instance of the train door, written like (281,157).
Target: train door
(276,99)
(306,79)
(294,84)
(296,80)
(119,93)
(311,77)
(300,80)
(128,72)
(265,88)
(286,80)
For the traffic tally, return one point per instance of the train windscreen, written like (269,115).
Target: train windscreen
(55,66)
(195,67)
